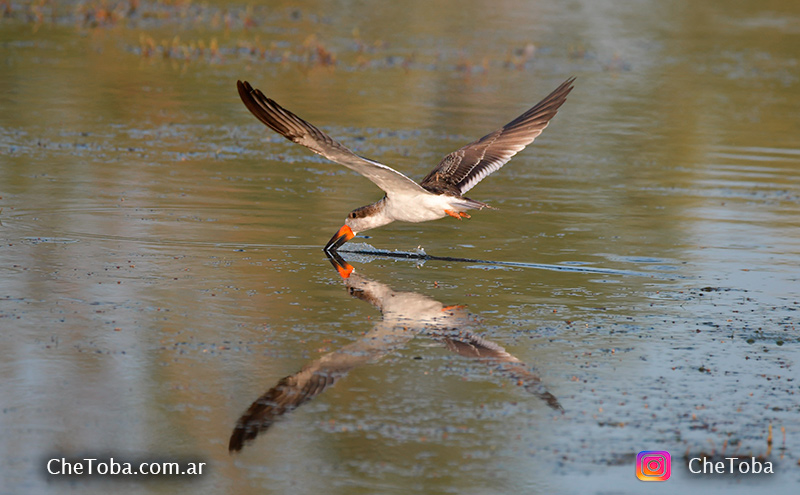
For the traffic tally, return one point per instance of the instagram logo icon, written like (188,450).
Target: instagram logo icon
(653,465)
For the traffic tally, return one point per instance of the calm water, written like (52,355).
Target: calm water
(162,270)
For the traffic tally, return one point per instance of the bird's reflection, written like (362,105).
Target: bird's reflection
(405,315)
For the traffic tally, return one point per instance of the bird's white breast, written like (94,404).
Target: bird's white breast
(420,207)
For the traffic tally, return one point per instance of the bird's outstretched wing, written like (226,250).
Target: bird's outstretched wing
(459,171)
(299,131)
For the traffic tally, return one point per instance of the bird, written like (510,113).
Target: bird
(438,194)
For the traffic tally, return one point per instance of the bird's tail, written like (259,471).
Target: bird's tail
(475,205)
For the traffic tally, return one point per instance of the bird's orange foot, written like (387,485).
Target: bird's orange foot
(453,307)
(457,214)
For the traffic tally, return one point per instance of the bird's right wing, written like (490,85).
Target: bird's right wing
(459,171)
(299,131)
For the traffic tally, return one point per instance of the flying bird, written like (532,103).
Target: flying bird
(440,193)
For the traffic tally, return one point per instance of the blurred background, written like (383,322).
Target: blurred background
(161,263)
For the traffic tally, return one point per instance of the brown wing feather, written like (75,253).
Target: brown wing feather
(459,171)
(299,131)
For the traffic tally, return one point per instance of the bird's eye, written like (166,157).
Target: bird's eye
(352,214)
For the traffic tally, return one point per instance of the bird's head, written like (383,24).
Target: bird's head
(359,220)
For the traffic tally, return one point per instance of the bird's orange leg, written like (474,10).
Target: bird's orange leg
(457,214)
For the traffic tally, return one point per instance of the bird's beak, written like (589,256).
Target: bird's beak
(344,268)
(343,235)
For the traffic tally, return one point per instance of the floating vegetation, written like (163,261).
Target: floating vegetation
(193,32)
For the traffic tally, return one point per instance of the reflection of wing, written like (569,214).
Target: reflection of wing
(444,323)
(288,394)
(299,131)
(466,344)
(470,345)
(294,390)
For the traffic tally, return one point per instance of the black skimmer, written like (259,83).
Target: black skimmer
(440,193)
(404,316)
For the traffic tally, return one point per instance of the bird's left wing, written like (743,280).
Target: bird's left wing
(299,131)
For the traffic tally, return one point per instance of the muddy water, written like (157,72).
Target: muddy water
(162,271)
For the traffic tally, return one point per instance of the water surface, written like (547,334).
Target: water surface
(161,250)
